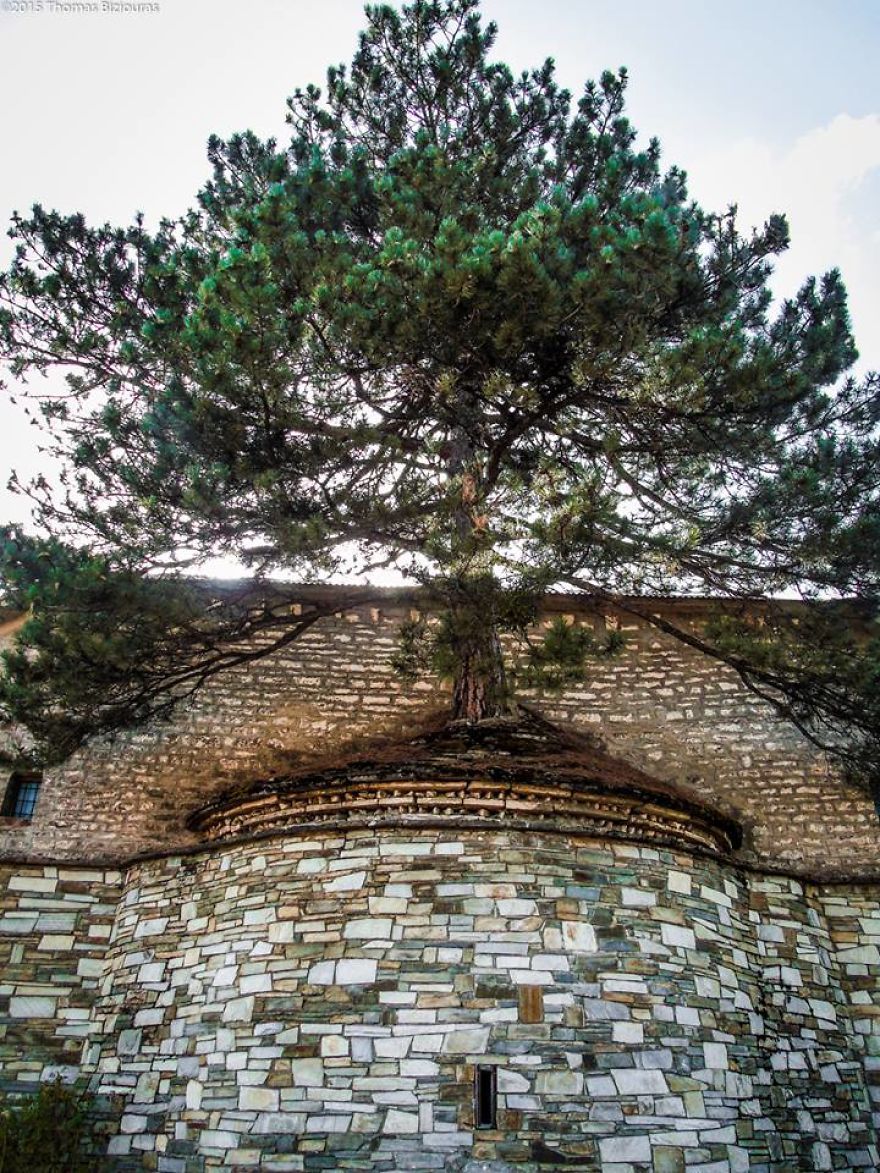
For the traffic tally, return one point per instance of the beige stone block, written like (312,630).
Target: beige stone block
(352,971)
(311,865)
(257,983)
(32,1006)
(322,973)
(238,1010)
(153,971)
(694,1105)
(55,943)
(579,937)
(153,927)
(559,1083)
(389,904)
(333,1047)
(290,1123)
(394,1047)
(398,1123)
(307,1072)
(258,1099)
(679,882)
(471,1041)
(132,1123)
(368,928)
(498,891)
(281,931)
(32,883)
(715,1055)
(516,907)
(215,1138)
(639,1083)
(625,1150)
(627,1032)
(677,937)
(147,1087)
(364,1122)
(259,916)
(350,882)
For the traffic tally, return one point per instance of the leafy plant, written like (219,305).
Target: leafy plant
(46,1133)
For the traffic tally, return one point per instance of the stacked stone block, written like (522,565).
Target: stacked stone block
(853,923)
(322,999)
(321,1003)
(55,925)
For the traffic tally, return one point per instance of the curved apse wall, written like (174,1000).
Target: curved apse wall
(322,1002)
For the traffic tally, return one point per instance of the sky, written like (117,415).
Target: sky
(770,104)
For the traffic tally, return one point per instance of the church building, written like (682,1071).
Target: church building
(307,923)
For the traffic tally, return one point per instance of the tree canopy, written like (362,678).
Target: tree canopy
(463,325)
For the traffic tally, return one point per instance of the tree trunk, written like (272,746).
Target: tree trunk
(480,686)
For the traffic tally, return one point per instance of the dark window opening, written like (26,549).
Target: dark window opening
(21,796)
(485,1097)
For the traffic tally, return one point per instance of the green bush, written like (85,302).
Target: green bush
(46,1133)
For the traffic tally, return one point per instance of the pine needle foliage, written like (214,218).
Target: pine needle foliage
(464,325)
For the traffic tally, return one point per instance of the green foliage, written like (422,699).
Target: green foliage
(466,607)
(820,669)
(563,655)
(462,325)
(47,1133)
(103,645)
(82,614)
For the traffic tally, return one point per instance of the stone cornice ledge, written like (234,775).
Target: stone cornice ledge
(496,803)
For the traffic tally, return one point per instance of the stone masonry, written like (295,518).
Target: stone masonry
(294,996)
(660,705)
(304,1004)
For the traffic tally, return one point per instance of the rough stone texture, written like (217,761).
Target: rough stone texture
(319,999)
(55,924)
(660,705)
(693,1017)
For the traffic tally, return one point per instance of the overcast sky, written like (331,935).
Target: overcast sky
(772,104)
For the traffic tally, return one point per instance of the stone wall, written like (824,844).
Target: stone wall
(321,1003)
(659,705)
(852,917)
(55,925)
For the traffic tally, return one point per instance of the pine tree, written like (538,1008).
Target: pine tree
(463,326)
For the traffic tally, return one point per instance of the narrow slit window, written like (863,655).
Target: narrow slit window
(485,1097)
(21,796)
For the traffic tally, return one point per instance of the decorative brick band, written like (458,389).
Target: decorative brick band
(474,803)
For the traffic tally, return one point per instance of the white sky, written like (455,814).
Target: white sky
(773,104)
